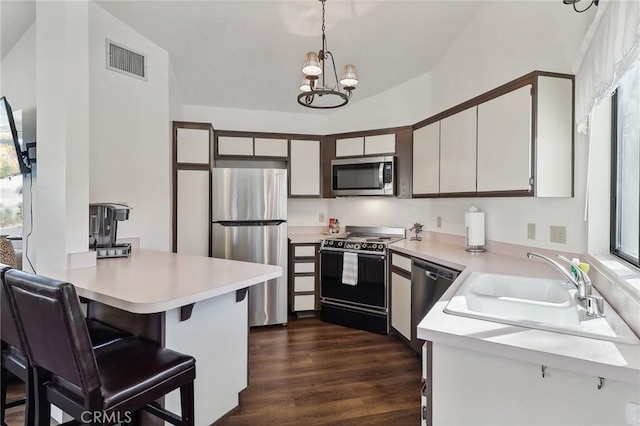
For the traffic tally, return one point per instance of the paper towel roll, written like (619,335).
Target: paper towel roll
(474,228)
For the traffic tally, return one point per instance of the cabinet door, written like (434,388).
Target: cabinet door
(230,145)
(401,304)
(458,152)
(304,168)
(504,142)
(266,147)
(193,146)
(349,147)
(380,144)
(193,212)
(426,159)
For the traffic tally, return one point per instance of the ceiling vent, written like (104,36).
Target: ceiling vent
(126,61)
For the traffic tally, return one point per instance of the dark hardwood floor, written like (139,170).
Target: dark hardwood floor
(314,373)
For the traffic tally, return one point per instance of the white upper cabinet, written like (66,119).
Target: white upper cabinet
(266,147)
(232,145)
(193,146)
(380,144)
(304,168)
(504,142)
(349,147)
(366,145)
(426,160)
(458,152)
(553,175)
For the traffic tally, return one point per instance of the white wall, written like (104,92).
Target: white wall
(256,121)
(130,148)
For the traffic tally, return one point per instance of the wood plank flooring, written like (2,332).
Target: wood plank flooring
(314,373)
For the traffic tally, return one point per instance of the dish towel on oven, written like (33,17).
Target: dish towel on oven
(350,269)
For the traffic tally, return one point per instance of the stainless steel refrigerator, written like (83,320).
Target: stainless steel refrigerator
(249,212)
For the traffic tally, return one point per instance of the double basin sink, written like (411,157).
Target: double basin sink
(539,303)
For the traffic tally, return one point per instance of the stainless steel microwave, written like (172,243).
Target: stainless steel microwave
(363,176)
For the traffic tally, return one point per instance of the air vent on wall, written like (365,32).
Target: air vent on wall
(126,61)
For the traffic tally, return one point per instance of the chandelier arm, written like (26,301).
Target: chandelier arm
(335,73)
(586,8)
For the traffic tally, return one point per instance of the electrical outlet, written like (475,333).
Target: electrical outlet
(531,231)
(439,222)
(558,234)
(321,217)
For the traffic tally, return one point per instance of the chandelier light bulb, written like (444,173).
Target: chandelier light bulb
(349,76)
(311,64)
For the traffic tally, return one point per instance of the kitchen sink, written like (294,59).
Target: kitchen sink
(540,303)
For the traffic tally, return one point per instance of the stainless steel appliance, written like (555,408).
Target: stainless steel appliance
(428,283)
(249,213)
(363,176)
(354,279)
(103,229)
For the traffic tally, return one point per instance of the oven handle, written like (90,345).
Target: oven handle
(341,252)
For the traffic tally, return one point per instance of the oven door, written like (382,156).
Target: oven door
(371,290)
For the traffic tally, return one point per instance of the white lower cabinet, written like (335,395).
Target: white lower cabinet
(475,388)
(401,304)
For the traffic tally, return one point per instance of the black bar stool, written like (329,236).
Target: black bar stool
(12,358)
(105,385)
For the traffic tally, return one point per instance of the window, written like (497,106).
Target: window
(625,179)
(11,213)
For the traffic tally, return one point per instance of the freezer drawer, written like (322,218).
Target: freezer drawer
(265,244)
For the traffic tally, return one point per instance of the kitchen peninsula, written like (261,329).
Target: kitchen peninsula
(192,304)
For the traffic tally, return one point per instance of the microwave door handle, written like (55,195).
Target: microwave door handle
(381,175)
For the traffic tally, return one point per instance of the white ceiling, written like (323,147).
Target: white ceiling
(249,54)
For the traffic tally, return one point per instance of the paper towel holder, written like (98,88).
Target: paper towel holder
(474,239)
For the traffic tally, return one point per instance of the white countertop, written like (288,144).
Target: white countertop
(599,358)
(154,281)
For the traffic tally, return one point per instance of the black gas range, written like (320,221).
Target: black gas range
(353,278)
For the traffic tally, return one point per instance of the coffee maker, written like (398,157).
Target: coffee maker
(103,229)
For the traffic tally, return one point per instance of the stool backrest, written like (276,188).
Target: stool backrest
(54,329)
(8,331)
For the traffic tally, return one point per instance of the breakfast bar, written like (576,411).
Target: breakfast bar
(191,304)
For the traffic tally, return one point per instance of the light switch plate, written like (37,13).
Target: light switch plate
(531,231)
(558,234)
(439,222)
(321,217)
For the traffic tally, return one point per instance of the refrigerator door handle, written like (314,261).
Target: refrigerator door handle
(250,222)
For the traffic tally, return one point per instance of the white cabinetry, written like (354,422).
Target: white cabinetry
(426,160)
(252,147)
(504,142)
(458,152)
(366,145)
(401,294)
(192,221)
(304,168)
(401,304)
(504,391)
(303,288)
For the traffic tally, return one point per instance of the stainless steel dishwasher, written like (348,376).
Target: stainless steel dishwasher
(429,281)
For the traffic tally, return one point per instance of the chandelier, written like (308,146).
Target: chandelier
(316,87)
(573,3)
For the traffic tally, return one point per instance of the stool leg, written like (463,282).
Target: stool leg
(3,390)
(186,404)
(37,398)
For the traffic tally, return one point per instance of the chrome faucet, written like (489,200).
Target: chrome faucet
(593,304)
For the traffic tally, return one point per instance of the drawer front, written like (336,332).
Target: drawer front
(304,267)
(304,251)
(304,302)
(425,360)
(401,262)
(304,284)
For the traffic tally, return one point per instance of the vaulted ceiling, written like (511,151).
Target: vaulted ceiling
(249,54)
